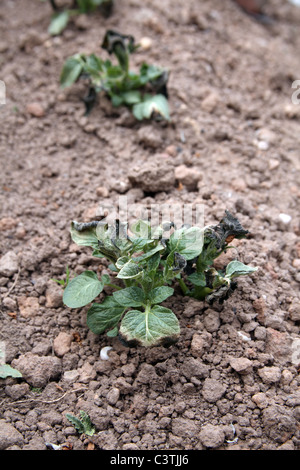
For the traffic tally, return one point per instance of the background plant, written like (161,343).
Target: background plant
(144,92)
(62,16)
(148,264)
(83,424)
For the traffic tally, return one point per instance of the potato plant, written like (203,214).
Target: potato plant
(144,92)
(148,264)
(62,16)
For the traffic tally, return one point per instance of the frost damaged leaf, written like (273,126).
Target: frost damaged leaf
(157,104)
(155,326)
(228,229)
(85,234)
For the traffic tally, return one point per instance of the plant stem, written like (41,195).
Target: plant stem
(183,286)
(201,292)
(114,286)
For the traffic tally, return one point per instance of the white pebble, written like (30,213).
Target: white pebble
(285,218)
(145,43)
(295,2)
(103,353)
(243,336)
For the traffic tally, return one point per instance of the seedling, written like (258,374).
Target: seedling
(148,264)
(144,92)
(63,282)
(83,424)
(61,17)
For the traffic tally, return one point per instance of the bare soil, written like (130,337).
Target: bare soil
(232,380)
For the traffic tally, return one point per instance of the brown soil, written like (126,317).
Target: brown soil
(232,380)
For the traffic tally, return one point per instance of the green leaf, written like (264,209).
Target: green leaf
(150,72)
(101,317)
(130,270)
(236,268)
(132,97)
(83,424)
(156,104)
(198,279)
(188,242)
(71,71)
(122,261)
(149,253)
(8,371)
(159,294)
(130,297)
(82,290)
(141,229)
(153,263)
(153,327)
(58,23)
(86,237)
(113,333)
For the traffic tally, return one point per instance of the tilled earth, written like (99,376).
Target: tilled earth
(232,380)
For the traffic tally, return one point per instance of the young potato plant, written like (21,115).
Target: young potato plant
(61,17)
(144,92)
(148,264)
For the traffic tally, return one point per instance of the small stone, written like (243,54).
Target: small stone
(7,223)
(154,176)
(35,110)
(62,344)
(210,103)
(285,218)
(9,436)
(211,320)
(130,446)
(212,436)
(261,400)
(37,371)
(197,345)
(10,304)
(71,375)
(260,308)
(113,396)
(194,368)
(296,263)
(145,43)
(87,373)
(9,264)
(102,191)
(17,391)
(270,375)
(149,137)
(184,427)
(213,390)
(189,177)
(295,352)
(242,365)
(54,296)
(294,311)
(266,135)
(273,164)
(239,185)
(28,306)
